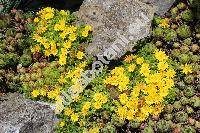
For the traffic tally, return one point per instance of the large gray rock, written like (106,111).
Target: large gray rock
(112,20)
(162,6)
(18,115)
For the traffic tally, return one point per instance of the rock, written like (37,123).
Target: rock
(162,6)
(19,115)
(116,23)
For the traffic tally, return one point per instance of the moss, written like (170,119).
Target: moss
(184,31)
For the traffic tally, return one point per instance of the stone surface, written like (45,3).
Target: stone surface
(112,18)
(162,6)
(19,115)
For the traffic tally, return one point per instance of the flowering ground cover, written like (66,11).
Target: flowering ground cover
(154,89)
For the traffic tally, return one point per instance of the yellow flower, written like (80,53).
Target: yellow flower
(88,28)
(64,13)
(131,68)
(72,37)
(186,68)
(94,130)
(128,58)
(51,94)
(85,33)
(74,117)
(170,73)
(80,55)
(121,112)
(97,105)
(67,44)
(68,111)
(86,106)
(145,69)
(47,52)
(130,114)
(160,55)
(36,20)
(62,124)
(162,66)
(35,93)
(123,98)
(139,60)
(43,92)
(62,60)
(164,23)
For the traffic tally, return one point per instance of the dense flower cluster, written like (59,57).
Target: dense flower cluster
(142,96)
(55,35)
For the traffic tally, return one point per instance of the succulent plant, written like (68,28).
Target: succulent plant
(168,117)
(184,31)
(181,85)
(189,91)
(195,48)
(135,124)
(188,129)
(195,58)
(176,45)
(189,110)
(176,53)
(13,41)
(189,79)
(174,11)
(187,15)
(181,116)
(177,105)
(181,6)
(148,129)
(164,126)
(109,128)
(170,35)
(184,101)
(197,102)
(158,32)
(184,58)
(184,49)
(169,108)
